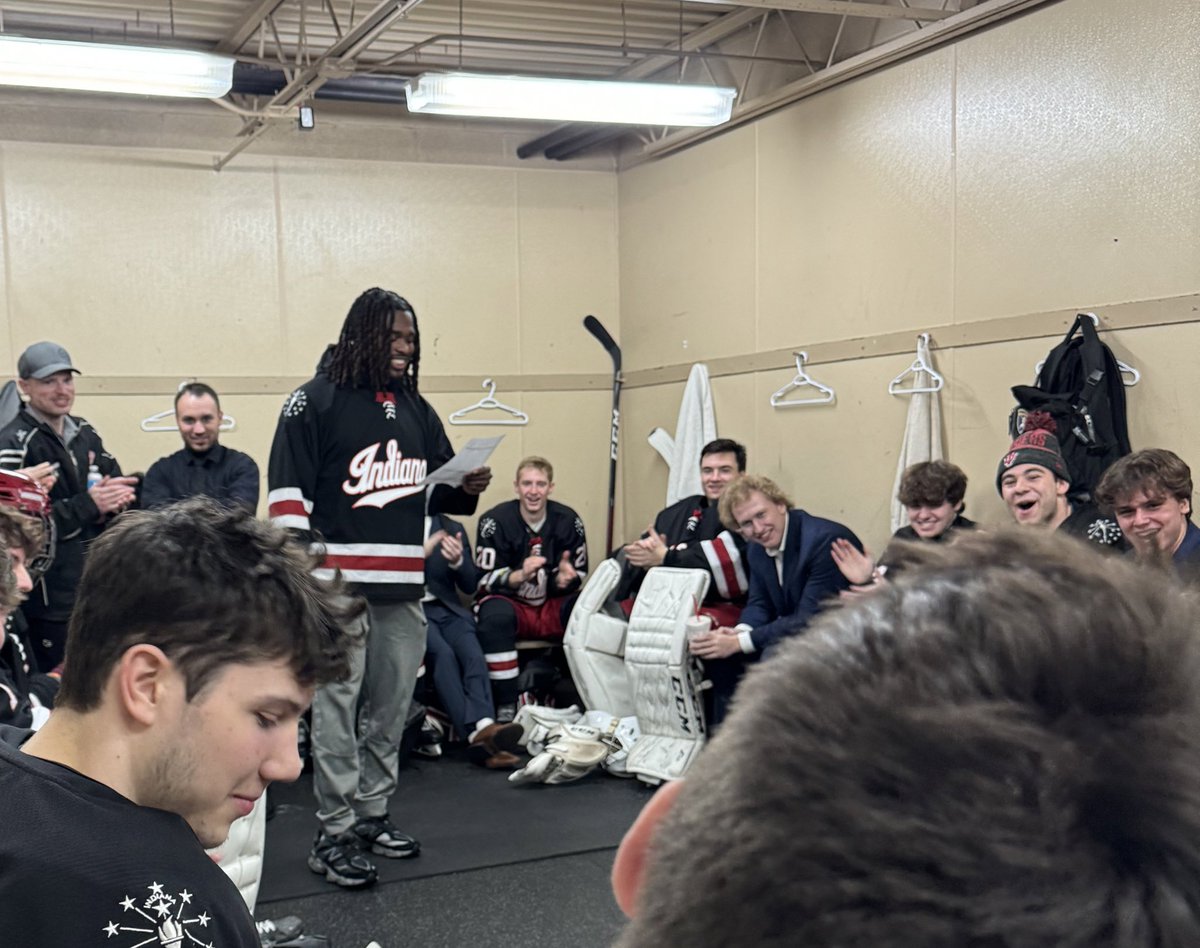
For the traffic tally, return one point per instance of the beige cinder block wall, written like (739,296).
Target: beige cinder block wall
(151,268)
(984,192)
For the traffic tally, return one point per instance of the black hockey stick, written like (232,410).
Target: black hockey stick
(592,325)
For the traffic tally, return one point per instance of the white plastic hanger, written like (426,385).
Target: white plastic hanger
(156,421)
(826,394)
(920,364)
(1129,375)
(488,402)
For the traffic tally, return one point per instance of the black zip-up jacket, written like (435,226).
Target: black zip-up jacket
(24,442)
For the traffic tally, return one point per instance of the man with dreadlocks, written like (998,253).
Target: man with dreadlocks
(347,469)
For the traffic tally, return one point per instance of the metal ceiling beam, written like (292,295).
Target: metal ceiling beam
(653,52)
(888,54)
(328,65)
(233,40)
(713,32)
(881,11)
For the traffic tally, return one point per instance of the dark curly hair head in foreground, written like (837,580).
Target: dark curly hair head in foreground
(999,750)
(210,586)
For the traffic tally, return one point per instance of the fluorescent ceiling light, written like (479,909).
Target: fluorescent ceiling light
(98,67)
(569,100)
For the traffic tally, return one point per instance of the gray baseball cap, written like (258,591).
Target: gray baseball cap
(43,359)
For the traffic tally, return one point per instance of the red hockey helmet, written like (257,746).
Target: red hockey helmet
(25,495)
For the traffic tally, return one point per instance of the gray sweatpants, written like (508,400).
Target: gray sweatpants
(354,774)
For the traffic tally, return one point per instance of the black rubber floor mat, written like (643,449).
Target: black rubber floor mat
(465,817)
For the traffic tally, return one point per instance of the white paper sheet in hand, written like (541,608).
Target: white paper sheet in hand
(474,454)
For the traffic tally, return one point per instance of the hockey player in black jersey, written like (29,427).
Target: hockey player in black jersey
(532,554)
(347,469)
(689,535)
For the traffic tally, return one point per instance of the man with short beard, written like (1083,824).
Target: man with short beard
(203,466)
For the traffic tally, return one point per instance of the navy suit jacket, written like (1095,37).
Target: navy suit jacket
(440,579)
(1189,549)
(810,576)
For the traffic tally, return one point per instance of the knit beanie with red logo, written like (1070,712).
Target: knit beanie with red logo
(1036,444)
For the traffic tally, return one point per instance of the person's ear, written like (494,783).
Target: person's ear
(143,676)
(630,865)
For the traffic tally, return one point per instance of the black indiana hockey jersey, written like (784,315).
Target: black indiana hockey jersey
(348,467)
(504,540)
(696,539)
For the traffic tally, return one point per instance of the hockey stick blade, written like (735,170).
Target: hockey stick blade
(593,325)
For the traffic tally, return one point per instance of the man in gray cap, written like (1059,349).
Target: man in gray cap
(88,492)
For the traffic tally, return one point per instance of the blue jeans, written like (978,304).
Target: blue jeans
(460,675)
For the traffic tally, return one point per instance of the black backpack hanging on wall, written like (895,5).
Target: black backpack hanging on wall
(1080,386)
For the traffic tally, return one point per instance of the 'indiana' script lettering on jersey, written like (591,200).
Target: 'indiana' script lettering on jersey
(381,482)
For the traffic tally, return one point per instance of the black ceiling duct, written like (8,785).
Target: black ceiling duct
(258,80)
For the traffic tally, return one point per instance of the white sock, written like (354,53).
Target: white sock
(479,726)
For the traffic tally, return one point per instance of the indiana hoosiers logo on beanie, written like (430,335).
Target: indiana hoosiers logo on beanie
(1036,444)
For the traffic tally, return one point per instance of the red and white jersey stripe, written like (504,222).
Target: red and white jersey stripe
(373,562)
(288,507)
(725,563)
(501,665)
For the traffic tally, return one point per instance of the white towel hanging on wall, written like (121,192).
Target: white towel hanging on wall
(694,428)
(923,427)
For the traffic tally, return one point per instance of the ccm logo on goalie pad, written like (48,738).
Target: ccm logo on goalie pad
(683,706)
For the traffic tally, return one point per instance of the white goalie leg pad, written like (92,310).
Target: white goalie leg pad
(572,751)
(666,678)
(538,721)
(594,643)
(241,855)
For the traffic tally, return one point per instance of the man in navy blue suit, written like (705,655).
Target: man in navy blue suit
(792,574)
